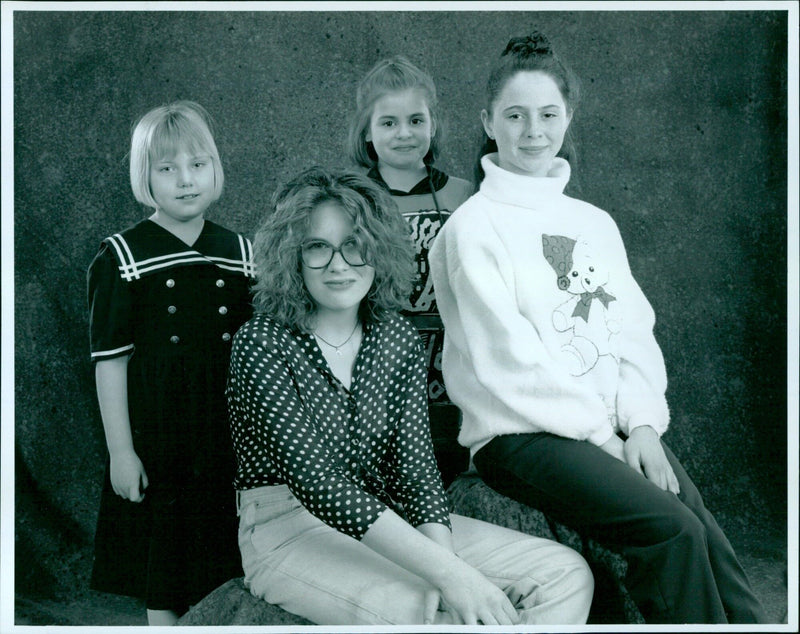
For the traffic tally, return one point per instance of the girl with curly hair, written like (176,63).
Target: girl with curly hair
(343,517)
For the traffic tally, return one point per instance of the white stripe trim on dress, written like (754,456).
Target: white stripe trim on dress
(130,269)
(108,353)
(237,266)
(247,256)
(124,254)
(242,247)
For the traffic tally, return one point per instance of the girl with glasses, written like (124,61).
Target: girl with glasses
(343,517)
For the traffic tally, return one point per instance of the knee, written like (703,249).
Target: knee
(684,530)
(580,578)
(692,527)
(567,595)
(574,567)
(568,579)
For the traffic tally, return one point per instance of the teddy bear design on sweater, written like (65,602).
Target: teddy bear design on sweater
(588,317)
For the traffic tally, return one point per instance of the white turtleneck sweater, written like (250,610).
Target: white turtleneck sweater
(545,328)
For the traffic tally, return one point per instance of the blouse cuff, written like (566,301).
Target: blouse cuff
(445,521)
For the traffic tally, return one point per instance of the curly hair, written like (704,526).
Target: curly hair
(390,75)
(280,291)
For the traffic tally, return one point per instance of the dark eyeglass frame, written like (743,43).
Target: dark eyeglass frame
(334,251)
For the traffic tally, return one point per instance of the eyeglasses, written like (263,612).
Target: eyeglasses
(317,254)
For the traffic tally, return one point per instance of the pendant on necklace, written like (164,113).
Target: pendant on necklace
(338,349)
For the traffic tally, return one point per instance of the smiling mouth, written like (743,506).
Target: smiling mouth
(340,283)
(187,196)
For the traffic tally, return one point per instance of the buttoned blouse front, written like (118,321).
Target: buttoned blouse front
(347,455)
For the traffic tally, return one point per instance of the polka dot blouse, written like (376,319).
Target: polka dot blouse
(346,455)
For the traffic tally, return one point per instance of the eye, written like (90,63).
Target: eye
(165,168)
(515,115)
(315,245)
(200,164)
(387,124)
(418,121)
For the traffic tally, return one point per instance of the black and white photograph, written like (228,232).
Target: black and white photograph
(400,316)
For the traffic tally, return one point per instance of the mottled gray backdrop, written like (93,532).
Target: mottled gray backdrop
(681,137)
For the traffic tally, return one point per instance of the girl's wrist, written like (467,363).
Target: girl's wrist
(649,429)
(452,569)
(119,452)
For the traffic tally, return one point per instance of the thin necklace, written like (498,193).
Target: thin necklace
(337,349)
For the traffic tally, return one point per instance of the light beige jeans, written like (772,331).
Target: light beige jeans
(294,560)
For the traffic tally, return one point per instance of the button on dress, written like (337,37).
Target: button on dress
(155,298)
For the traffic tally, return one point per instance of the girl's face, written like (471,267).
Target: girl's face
(528,121)
(339,286)
(401,129)
(182,184)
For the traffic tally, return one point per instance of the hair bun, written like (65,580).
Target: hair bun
(529,46)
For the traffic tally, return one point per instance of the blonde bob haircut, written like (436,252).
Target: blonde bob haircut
(280,292)
(162,132)
(390,75)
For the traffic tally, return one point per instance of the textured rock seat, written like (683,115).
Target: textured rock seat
(233,604)
(472,497)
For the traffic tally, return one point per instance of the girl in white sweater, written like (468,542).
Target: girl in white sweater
(550,354)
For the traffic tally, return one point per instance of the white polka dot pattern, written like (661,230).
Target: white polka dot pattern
(345,454)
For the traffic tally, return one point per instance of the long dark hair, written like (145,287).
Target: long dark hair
(530,53)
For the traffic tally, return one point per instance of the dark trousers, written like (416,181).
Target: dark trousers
(681,567)
(452,458)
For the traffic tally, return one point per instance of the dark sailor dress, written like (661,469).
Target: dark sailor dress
(174,309)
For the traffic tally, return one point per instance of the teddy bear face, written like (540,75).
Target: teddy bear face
(586,274)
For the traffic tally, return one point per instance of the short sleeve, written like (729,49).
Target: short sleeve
(110,330)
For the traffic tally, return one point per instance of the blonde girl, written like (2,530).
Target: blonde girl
(166,297)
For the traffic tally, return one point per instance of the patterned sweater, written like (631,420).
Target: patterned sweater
(426,207)
(545,328)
